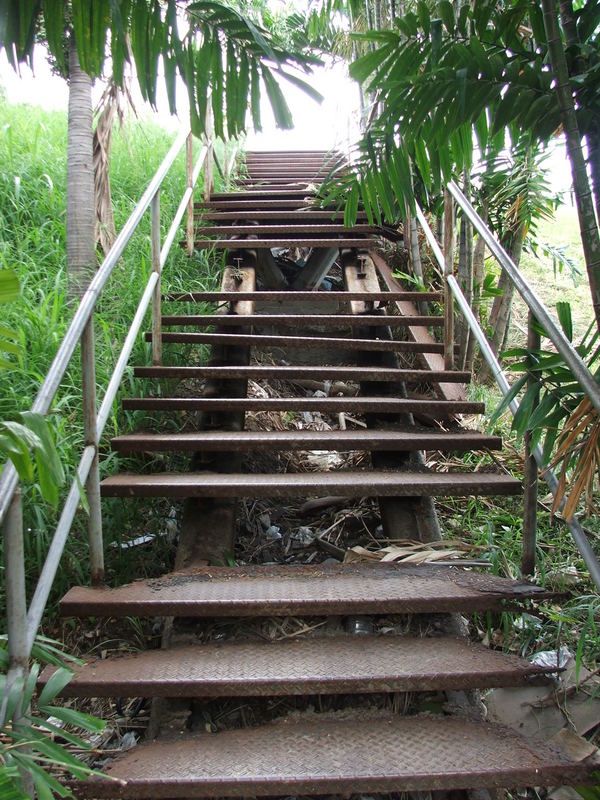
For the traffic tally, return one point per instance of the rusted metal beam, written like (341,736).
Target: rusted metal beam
(285,373)
(342,440)
(387,405)
(293,296)
(260,340)
(301,320)
(287,242)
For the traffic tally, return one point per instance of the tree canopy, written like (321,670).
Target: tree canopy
(222,55)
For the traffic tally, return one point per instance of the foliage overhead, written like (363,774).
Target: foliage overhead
(223,58)
(447,81)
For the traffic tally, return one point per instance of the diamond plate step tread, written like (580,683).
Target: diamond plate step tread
(310,665)
(306,440)
(346,483)
(324,589)
(330,756)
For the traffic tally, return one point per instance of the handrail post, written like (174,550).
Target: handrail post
(14,576)
(530,478)
(448,270)
(90,431)
(156,297)
(16,615)
(189,228)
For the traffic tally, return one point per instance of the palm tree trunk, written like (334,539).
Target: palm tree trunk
(588,226)
(502,306)
(569,26)
(577,67)
(81,256)
(377,14)
(593,142)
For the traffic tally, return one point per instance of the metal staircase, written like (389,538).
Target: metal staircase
(353,335)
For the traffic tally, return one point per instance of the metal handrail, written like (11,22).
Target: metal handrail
(82,316)
(22,621)
(571,357)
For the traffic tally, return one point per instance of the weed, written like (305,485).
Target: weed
(32,243)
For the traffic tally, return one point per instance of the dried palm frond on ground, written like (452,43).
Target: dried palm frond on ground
(414,552)
(578,449)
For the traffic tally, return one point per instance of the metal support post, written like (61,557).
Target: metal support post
(531,474)
(448,271)
(16,616)
(14,575)
(90,430)
(156,297)
(189,227)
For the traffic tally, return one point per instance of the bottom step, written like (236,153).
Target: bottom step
(330,756)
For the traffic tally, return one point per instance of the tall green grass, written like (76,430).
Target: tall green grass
(33,147)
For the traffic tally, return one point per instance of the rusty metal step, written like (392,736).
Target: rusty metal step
(289,241)
(330,756)
(331,405)
(303,320)
(287,373)
(308,665)
(293,296)
(345,483)
(377,440)
(290,170)
(320,590)
(325,342)
(311,179)
(251,204)
(293,162)
(283,230)
(294,158)
(282,216)
(253,194)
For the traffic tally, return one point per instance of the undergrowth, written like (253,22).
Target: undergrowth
(572,618)
(32,243)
